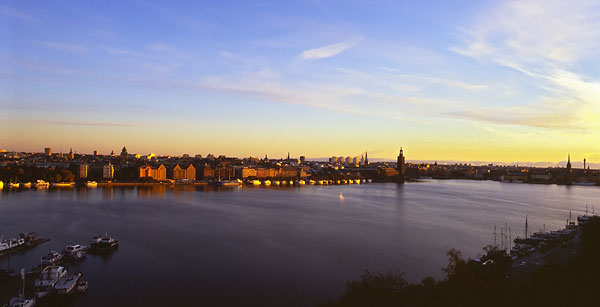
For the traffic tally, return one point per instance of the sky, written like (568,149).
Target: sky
(446,80)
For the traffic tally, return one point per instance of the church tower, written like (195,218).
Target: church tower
(400,166)
(366,158)
(569,171)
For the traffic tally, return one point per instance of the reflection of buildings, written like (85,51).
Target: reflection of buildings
(83,170)
(152,190)
(108,171)
(157,173)
(188,173)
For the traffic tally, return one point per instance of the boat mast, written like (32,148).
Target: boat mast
(526,226)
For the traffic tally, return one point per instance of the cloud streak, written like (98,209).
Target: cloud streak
(63,46)
(546,42)
(327,51)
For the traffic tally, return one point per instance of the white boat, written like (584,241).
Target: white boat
(101,243)
(21,302)
(11,243)
(27,185)
(91,184)
(75,251)
(52,258)
(83,286)
(14,185)
(369,180)
(48,278)
(41,184)
(256,182)
(67,284)
(301,182)
(584,183)
(312,182)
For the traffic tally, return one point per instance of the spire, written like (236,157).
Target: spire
(288,155)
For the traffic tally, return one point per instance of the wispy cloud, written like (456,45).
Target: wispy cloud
(160,47)
(545,41)
(328,50)
(90,123)
(11,12)
(119,51)
(63,46)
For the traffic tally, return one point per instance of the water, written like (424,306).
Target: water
(287,246)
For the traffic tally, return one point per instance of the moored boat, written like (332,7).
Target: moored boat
(103,243)
(13,243)
(20,301)
(68,284)
(301,182)
(91,184)
(48,279)
(83,286)
(41,184)
(75,251)
(26,185)
(267,182)
(14,185)
(52,258)
(256,182)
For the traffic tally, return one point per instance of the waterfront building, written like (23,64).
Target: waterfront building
(83,170)
(302,159)
(245,172)
(400,166)
(366,158)
(108,171)
(157,173)
(188,173)
(95,153)
(207,172)
(48,151)
(71,155)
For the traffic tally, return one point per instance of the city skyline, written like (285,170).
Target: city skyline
(493,81)
(577,163)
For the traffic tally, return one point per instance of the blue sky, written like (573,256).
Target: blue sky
(448,80)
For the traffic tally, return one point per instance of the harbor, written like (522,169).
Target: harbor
(57,280)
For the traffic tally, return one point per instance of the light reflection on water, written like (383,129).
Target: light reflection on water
(276,245)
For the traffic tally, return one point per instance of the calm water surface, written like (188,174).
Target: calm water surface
(288,246)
